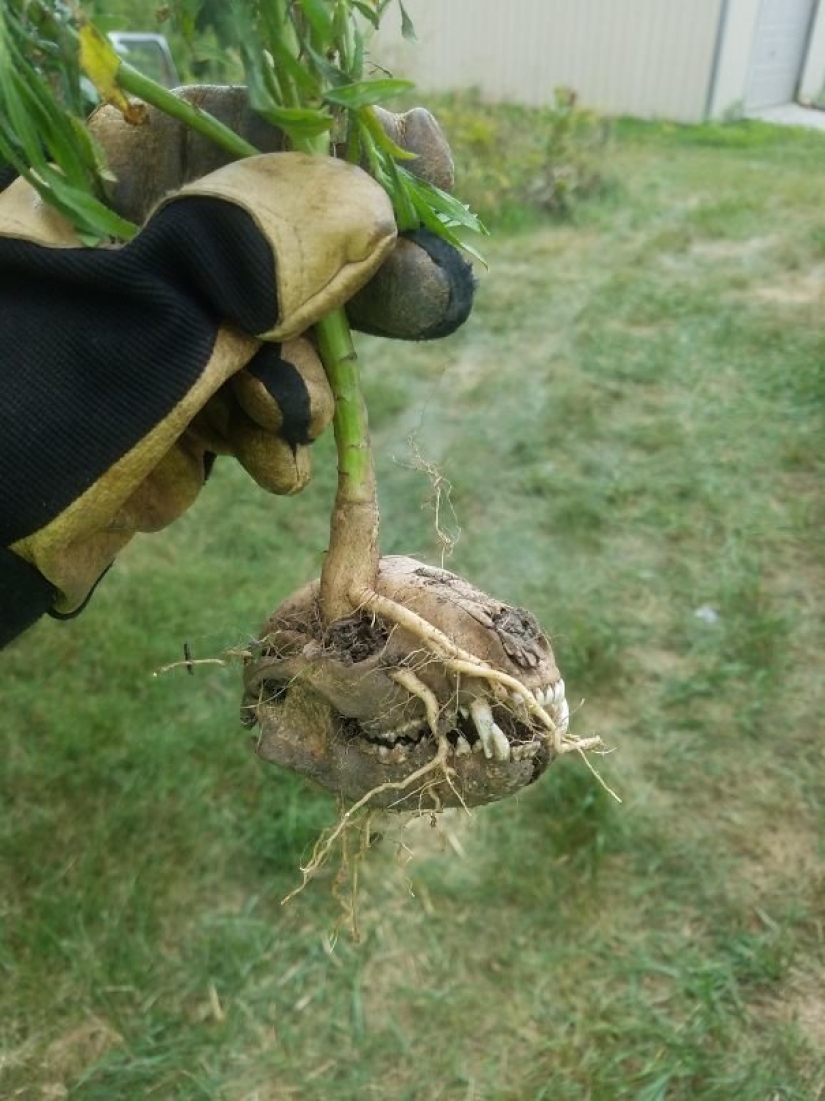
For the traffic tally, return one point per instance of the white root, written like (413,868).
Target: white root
(461,662)
(516,701)
(416,687)
(326,844)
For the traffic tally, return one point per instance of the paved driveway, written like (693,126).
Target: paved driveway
(791,114)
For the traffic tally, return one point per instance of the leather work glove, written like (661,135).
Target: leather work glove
(125,370)
(423,290)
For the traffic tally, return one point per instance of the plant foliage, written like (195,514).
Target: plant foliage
(42,133)
(555,159)
(306,65)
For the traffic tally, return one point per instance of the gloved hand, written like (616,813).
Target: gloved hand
(423,290)
(125,370)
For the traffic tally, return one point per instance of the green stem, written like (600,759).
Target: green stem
(287,35)
(155,94)
(351,562)
(352,559)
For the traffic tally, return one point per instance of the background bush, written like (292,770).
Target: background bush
(512,161)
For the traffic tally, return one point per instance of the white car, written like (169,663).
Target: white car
(148,53)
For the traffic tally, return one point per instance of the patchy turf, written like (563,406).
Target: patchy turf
(632,429)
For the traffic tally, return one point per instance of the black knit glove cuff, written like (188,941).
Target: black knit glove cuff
(25,595)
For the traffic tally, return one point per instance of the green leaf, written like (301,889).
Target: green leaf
(306,121)
(355,145)
(406,214)
(36,128)
(368,12)
(336,76)
(92,220)
(270,33)
(407,28)
(90,215)
(368,119)
(320,22)
(357,63)
(102,65)
(349,40)
(366,93)
(449,210)
(443,213)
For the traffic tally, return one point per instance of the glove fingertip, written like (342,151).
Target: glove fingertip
(424,291)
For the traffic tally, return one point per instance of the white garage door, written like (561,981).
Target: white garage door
(778,55)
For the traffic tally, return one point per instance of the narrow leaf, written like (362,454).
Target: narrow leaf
(368,119)
(407,28)
(100,62)
(284,64)
(366,93)
(406,214)
(318,17)
(449,210)
(368,13)
(300,120)
(336,76)
(346,37)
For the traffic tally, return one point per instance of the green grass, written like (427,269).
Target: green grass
(632,426)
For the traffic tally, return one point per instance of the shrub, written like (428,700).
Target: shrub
(508,158)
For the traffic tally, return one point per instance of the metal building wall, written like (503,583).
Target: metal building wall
(779,50)
(736,48)
(812,83)
(649,58)
(736,56)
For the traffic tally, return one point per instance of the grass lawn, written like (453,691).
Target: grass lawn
(632,427)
